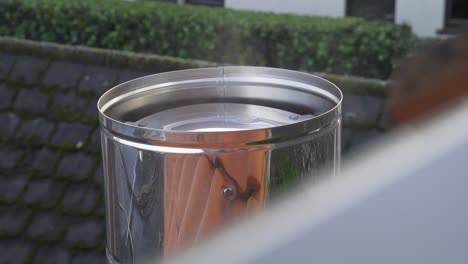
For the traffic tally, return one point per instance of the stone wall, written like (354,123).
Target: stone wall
(51,196)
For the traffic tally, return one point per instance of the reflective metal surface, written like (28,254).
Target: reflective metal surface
(186,152)
(412,212)
(220,117)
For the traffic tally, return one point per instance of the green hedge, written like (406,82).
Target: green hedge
(88,55)
(344,46)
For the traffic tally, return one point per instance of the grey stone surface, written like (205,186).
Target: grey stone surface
(9,123)
(95,141)
(14,251)
(128,74)
(13,219)
(87,233)
(52,255)
(386,120)
(46,226)
(98,79)
(6,62)
(70,133)
(360,138)
(346,137)
(64,74)
(81,198)
(28,69)
(31,100)
(93,257)
(9,157)
(91,108)
(101,208)
(6,96)
(77,166)
(38,128)
(69,100)
(99,175)
(363,108)
(45,160)
(11,187)
(43,192)
(24,163)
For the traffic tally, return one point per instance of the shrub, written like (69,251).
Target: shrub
(344,46)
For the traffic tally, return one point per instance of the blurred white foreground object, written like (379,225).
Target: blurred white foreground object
(403,200)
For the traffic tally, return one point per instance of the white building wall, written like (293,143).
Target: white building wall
(332,8)
(424,16)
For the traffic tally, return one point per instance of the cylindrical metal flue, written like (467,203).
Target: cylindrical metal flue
(185,152)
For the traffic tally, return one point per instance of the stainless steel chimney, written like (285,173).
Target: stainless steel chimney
(185,152)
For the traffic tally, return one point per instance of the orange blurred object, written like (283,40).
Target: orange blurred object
(430,81)
(201,194)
